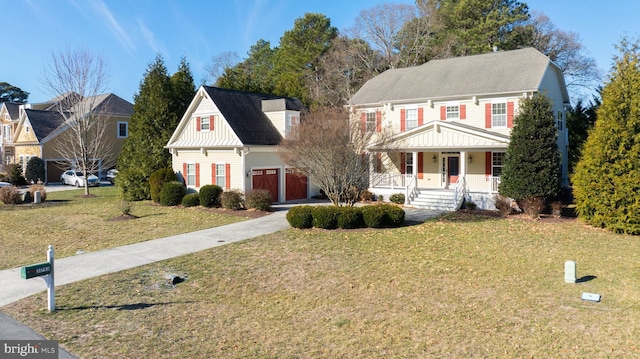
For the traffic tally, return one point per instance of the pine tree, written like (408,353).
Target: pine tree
(532,162)
(606,182)
(157,109)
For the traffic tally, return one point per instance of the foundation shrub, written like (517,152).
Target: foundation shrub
(210,195)
(231,199)
(259,199)
(172,193)
(397,198)
(532,206)
(503,204)
(300,217)
(191,200)
(157,179)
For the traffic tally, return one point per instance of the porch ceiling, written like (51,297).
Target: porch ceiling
(438,135)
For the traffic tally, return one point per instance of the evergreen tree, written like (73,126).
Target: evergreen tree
(580,120)
(532,162)
(606,181)
(157,109)
(35,170)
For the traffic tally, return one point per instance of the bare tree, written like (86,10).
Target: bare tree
(78,79)
(331,147)
(380,26)
(220,63)
(566,50)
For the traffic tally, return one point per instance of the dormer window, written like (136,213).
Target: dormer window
(292,122)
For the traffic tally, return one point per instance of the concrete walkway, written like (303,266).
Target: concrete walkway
(94,264)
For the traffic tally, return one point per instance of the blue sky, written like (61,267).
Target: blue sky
(129,33)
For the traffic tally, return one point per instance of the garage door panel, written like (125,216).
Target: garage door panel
(266,179)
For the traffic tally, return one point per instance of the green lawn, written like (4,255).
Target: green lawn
(71,223)
(461,286)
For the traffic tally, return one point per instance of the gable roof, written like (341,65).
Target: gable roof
(13,109)
(492,73)
(243,111)
(43,122)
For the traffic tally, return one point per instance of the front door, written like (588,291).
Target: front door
(450,169)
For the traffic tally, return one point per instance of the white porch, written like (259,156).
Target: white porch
(451,162)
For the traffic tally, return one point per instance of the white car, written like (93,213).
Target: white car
(75,178)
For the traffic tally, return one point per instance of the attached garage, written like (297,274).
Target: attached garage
(266,179)
(295,185)
(54,171)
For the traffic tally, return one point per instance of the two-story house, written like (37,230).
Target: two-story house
(229,138)
(451,122)
(9,113)
(40,132)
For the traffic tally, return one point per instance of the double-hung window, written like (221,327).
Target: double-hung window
(453,112)
(220,175)
(191,174)
(497,159)
(412,118)
(205,123)
(499,114)
(408,164)
(371,121)
(123,129)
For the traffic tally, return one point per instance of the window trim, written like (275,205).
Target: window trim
(371,126)
(126,129)
(207,123)
(447,113)
(408,120)
(221,174)
(191,165)
(494,165)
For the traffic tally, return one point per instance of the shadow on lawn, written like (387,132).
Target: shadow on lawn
(133,306)
(586,278)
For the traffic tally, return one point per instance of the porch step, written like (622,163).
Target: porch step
(436,200)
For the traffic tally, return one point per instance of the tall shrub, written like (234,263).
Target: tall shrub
(35,170)
(606,180)
(532,163)
(158,179)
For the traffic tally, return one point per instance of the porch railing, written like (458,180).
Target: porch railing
(389,180)
(411,189)
(458,192)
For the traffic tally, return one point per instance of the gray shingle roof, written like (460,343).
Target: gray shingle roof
(44,122)
(244,113)
(13,109)
(496,72)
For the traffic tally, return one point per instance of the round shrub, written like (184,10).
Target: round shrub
(10,195)
(231,200)
(35,170)
(382,215)
(191,200)
(210,195)
(259,199)
(300,217)
(157,179)
(373,216)
(325,217)
(172,193)
(397,198)
(394,216)
(350,217)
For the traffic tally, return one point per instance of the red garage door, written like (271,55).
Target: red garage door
(295,185)
(266,179)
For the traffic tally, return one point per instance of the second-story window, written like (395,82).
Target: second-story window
(371,121)
(292,122)
(499,114)
(123,129)
(453,112)
(412,118)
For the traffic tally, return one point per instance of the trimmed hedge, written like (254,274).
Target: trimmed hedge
(350,217)
(172,193)
(397,198)
(210,195)
(191,200)
(300,217)
(331,217)
(383,215)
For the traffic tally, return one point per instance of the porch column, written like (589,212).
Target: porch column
(463,164)
(414,156)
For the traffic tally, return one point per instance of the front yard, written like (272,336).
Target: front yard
(460,286)
(72,223)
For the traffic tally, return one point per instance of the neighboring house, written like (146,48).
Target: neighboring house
(451,122)
(39,127)
(9,113)
(229,138)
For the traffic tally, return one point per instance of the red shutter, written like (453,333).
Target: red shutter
(198,124)
(403,120)
(212,121)
(420,116)
(463,112)
(487,115)
(420,165)
(227,174)
(213,173)
(378,121)
(197,175)
(403,163)
(363,121)
(509,114)
(443,113)
(378,162)
(487,163)
(184,173)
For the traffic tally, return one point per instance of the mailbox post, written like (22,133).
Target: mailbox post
(43,269)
